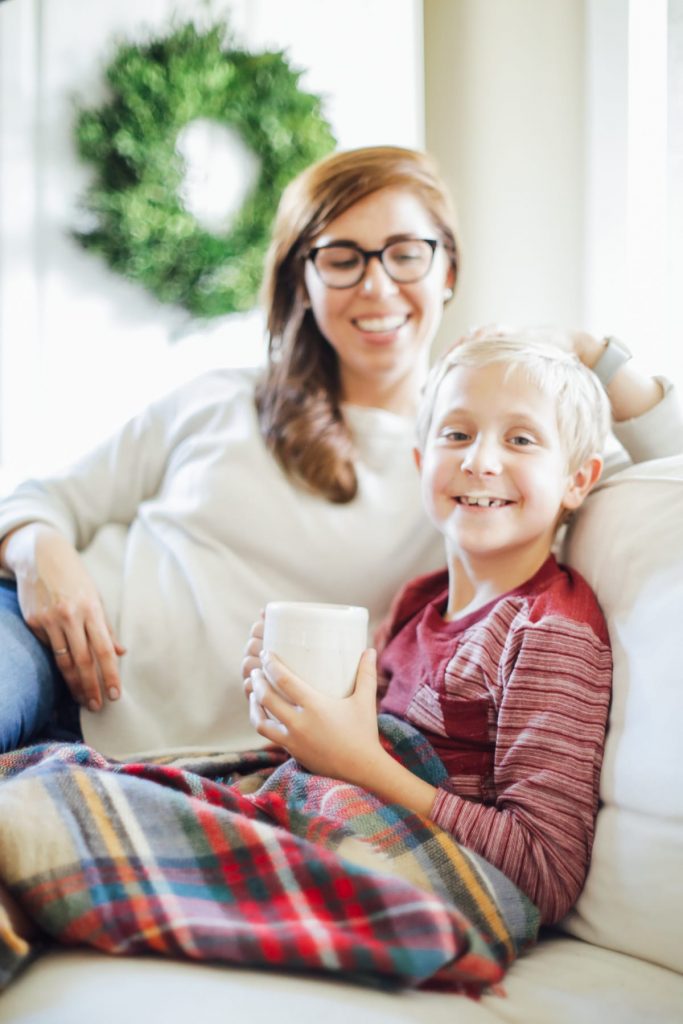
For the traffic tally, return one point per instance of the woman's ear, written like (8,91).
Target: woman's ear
(582,481)
(449,284)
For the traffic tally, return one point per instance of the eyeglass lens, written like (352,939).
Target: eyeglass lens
(405,261)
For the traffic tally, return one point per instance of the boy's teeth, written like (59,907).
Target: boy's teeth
(381,323)
(483,502)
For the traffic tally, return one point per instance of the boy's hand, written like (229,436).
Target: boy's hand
(252,651)
(336,737)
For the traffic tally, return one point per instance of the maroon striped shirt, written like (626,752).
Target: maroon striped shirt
(514,697)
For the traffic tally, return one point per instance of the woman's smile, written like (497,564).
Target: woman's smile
(388,324)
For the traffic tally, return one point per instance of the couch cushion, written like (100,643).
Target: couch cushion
(628,543)
(561,981)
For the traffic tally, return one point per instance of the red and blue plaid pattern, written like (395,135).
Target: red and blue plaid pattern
(249,859)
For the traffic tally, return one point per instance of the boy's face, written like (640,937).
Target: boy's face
(494,473)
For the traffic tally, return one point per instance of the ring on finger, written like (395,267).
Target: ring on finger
(60,651)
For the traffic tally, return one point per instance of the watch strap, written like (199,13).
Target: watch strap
(612,358)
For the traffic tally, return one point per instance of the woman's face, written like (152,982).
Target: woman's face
(381,330)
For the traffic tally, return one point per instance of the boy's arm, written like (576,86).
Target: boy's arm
(549,747)
(539,829)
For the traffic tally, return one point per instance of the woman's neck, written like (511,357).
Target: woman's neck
(397,396)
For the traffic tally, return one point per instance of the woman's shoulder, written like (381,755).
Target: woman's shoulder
(221,384)
(220,391)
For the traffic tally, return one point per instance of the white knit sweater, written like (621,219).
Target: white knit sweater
(188,527)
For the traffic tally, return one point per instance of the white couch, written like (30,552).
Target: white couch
(618,958)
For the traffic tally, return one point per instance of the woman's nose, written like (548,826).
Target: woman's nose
(375,280)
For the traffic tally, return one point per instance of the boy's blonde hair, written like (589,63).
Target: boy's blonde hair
(583,411)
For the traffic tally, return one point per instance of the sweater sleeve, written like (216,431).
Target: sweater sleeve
(654,435)
(555,688)
(105,486)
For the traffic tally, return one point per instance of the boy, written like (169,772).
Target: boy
(503,660)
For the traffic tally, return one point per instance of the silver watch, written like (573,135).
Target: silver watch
(612,358)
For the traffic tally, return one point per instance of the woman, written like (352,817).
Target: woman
(243,487)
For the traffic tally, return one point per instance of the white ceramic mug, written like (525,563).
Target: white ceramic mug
(320,643)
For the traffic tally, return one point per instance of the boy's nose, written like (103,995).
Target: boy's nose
(482,458)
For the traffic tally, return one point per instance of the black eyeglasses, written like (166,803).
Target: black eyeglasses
(343,264)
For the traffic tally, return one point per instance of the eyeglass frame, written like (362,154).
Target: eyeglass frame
(367,255)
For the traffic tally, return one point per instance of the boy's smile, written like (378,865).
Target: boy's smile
(495,477)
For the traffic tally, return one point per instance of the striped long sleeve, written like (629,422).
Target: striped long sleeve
(548,752)
(515,701)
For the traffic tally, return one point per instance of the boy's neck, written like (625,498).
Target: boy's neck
(473,582)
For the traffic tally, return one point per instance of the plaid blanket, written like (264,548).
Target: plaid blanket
(248,859)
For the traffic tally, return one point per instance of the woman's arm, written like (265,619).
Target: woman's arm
(647,416)
(106,485)
(631,392)
(45,523)
(61,606)
(646,413)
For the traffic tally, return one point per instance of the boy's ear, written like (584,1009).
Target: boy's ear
(582,481)
(417,456)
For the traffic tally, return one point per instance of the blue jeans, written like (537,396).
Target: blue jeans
(34,700)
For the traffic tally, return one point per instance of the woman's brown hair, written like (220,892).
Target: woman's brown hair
(298,399)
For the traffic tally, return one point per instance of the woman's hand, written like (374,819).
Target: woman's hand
(332,736)
(631,392)
(586,347)
(61,606)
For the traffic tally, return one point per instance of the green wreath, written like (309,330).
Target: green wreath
(140,225)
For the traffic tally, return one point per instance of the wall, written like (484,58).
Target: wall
(559,124)
(80,347)
(504,85)
(629,197)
